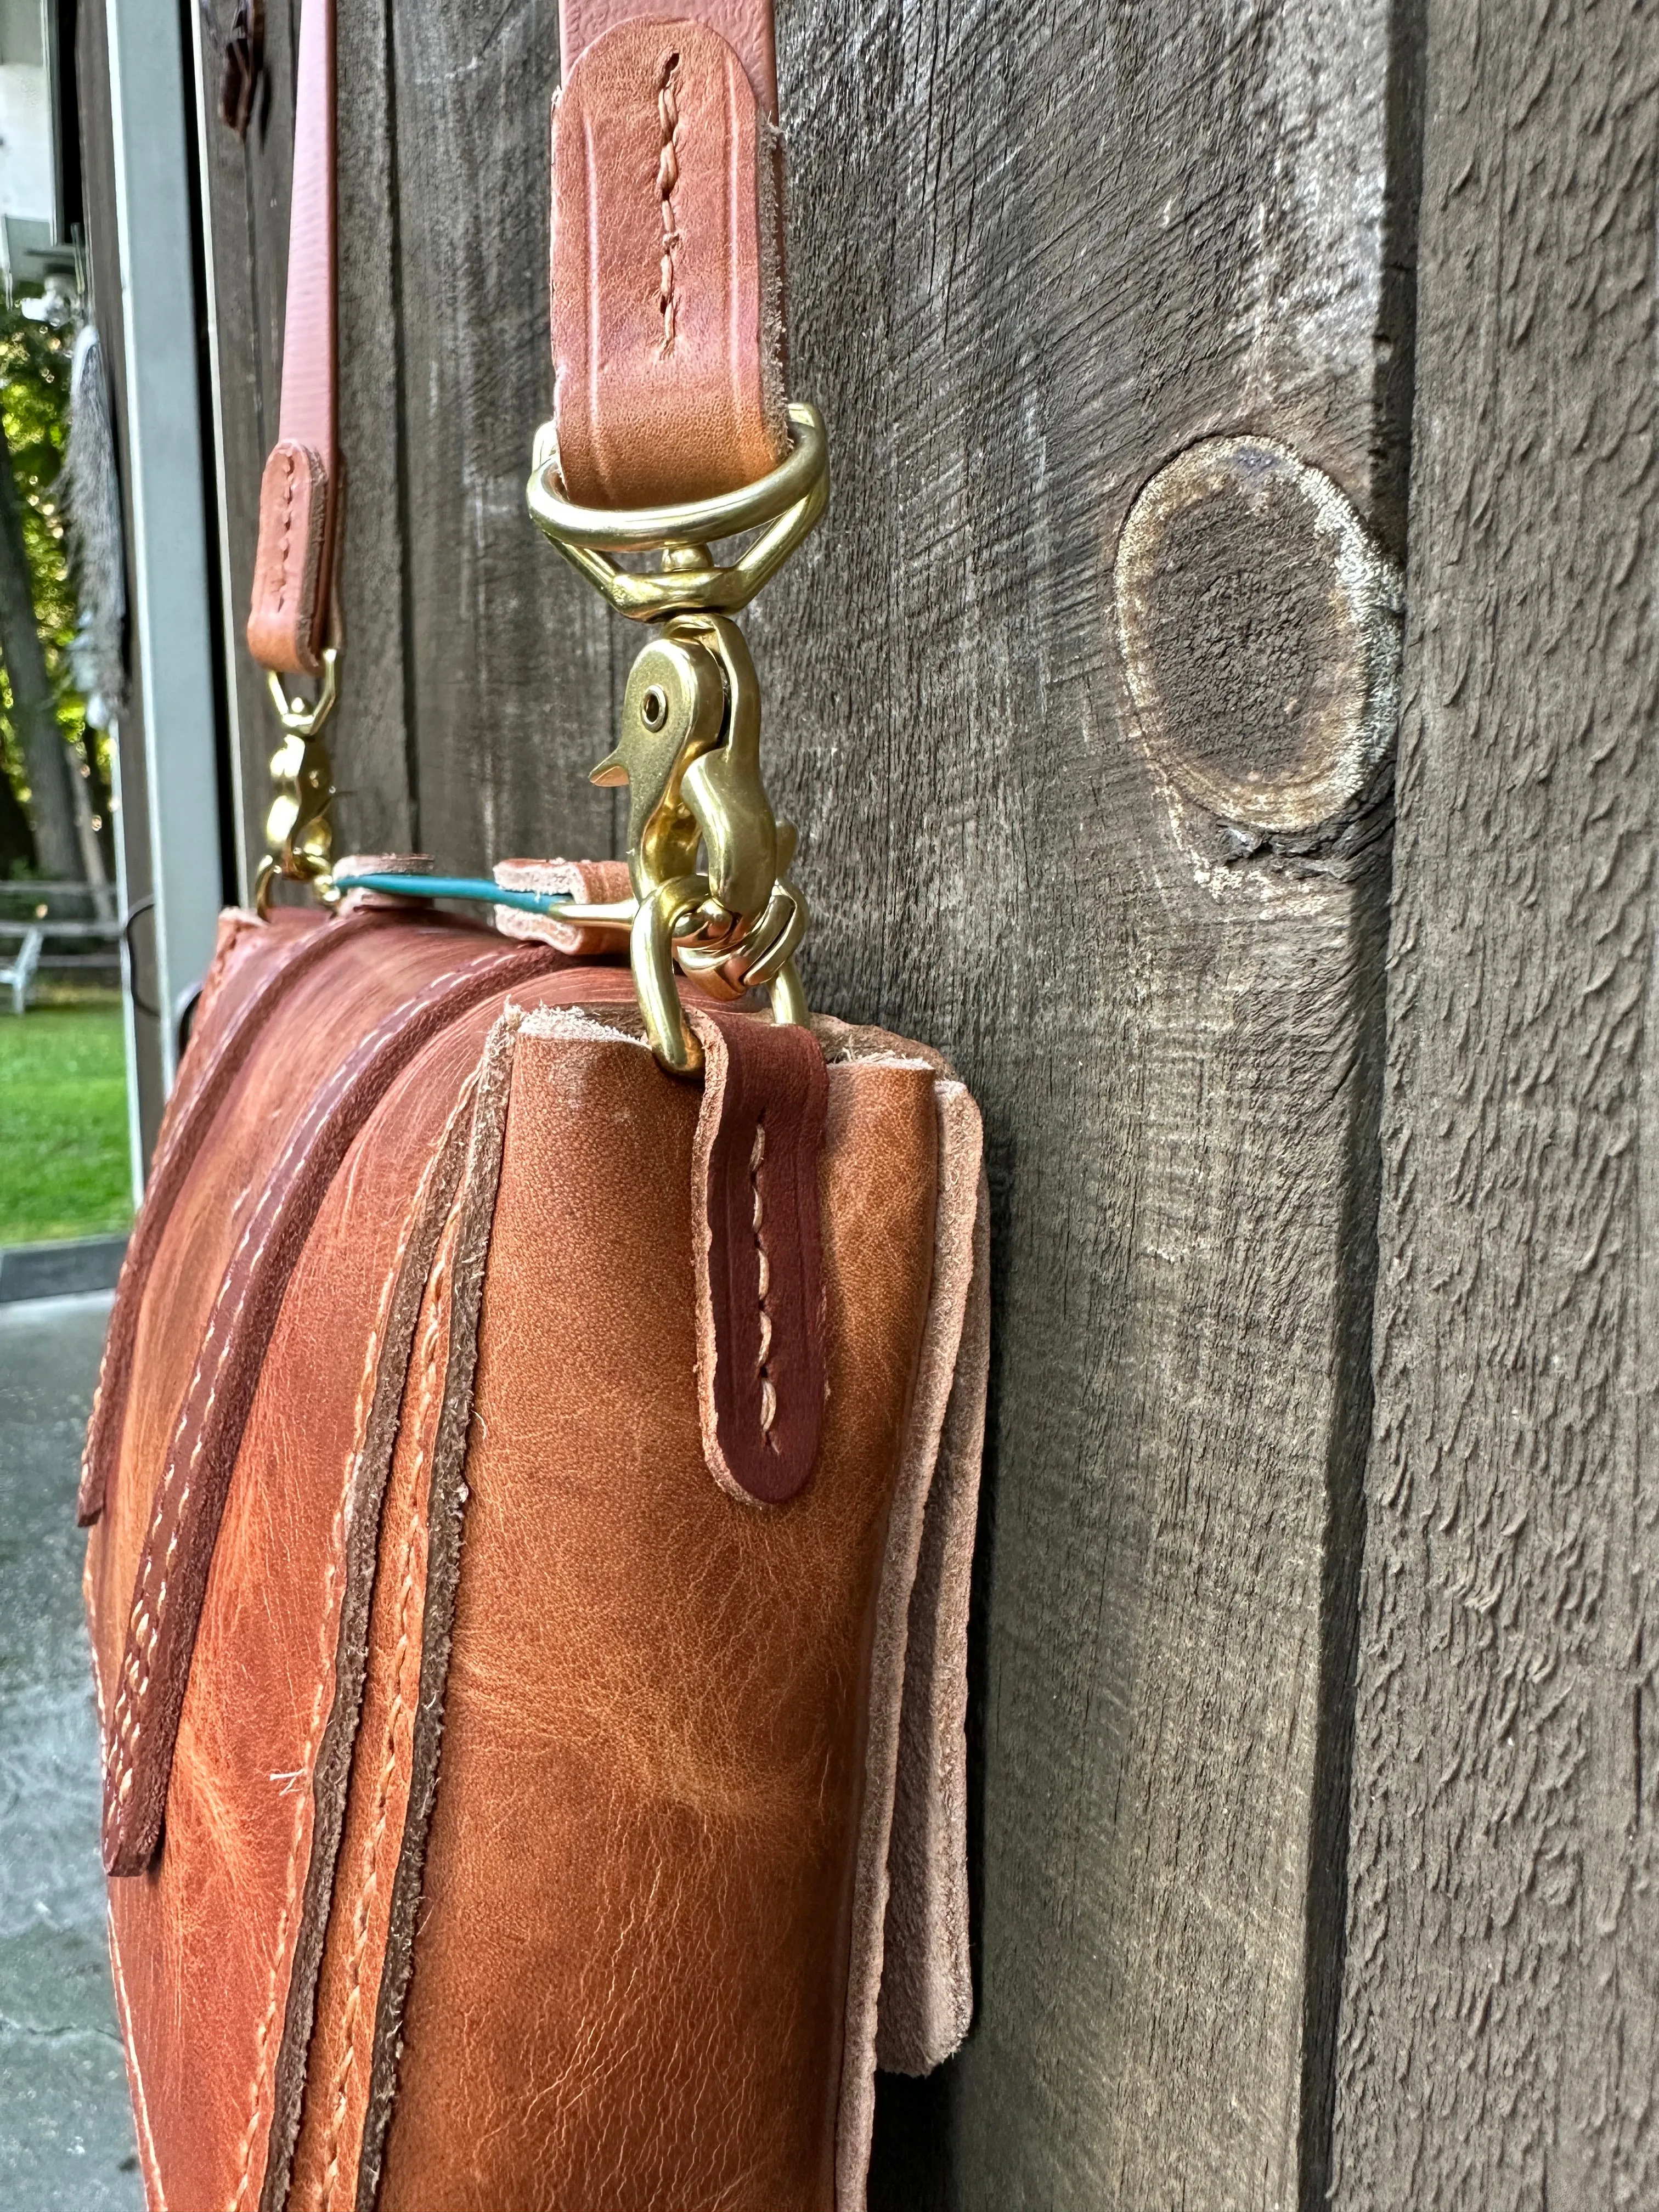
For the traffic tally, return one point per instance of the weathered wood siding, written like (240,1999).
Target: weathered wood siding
(1500,2034)
(1035,260)
(1028,272)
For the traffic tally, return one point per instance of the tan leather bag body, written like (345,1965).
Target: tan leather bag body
(533,1475)
(507,1807)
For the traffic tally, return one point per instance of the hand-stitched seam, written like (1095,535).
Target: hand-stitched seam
(369,1864)
(287,533)
(141,2101)
(360,1422)
(668,177)
(769,1393)
(142,1627)
(178,1124)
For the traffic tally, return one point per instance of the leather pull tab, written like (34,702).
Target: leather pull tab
(287,622)
(757,1241)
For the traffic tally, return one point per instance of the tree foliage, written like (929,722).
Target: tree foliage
(34,382)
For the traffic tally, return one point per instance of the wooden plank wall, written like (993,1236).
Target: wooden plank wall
(1501,2021)
(475,671)
(1028,272)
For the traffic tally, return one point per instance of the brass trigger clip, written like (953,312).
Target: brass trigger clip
(298,828)
(707,861)
(689,752)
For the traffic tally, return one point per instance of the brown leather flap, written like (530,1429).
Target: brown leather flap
(758,1292)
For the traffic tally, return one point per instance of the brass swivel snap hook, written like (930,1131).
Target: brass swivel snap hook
(689,752)
(298,828)
(689,744)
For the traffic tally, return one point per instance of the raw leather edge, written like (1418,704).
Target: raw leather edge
(926,1977)
(955,1248)
(331,1772)
(446,1508)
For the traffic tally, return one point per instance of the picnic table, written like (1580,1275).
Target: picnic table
(41,940)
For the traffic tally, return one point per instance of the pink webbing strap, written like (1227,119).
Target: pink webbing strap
(666,264)
(287,623)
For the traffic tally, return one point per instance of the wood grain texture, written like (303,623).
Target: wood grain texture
(509,653)
(245,195)
(1027,270)
(1500,2023)
(469,648)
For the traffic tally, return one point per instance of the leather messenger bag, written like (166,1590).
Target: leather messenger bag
(532,1479)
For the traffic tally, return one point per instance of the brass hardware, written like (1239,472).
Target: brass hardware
(689,752)
(689,745)
(297,828)
(789,499)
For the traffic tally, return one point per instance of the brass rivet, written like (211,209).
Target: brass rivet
(653,708)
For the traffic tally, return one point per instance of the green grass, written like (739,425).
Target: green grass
(64,1169)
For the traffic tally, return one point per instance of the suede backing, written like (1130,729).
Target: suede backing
(954,1250)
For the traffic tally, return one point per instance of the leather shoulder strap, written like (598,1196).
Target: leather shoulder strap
(666,265)
(288,625)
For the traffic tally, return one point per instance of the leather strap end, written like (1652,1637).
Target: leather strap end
(596,883)
(745,25)
(287,625)
(757,1243)
(666,270)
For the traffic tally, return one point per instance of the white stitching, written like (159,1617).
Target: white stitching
(365,1400)
(668,176)
(768,1393)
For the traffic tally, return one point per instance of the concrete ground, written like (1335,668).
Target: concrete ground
(66,2140)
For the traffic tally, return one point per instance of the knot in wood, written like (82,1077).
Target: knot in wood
(1259,627)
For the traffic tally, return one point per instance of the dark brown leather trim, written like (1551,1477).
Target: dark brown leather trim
(171,1577)
(331,1773)
(200,1098)
(759,1260)
(446,1501)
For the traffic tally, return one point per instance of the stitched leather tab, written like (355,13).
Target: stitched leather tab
(287,622)
(190,1498)
(666,270)
(756,1237)
(594,882)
